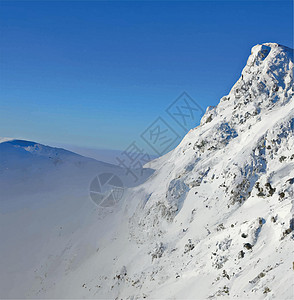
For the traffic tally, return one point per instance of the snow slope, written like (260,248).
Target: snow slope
(215,219)
(221,220)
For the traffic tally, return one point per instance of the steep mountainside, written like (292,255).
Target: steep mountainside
(216,218)
(222,218)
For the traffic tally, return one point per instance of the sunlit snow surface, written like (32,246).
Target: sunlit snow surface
(214,219)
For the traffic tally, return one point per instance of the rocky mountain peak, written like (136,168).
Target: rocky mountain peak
(266,81)
(224,207)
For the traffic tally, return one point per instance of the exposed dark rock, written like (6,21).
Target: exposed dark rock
(248,246)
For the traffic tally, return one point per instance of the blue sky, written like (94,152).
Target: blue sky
(96,74)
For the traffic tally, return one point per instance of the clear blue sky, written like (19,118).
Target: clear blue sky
(96,74)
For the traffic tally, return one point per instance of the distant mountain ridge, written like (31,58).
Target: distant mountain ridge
(35,149)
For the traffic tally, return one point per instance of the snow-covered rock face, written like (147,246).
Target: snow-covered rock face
(228,189)
(266,82)
(238,139)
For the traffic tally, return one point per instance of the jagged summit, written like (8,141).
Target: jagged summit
(266,81)
(264,49)
(269,53)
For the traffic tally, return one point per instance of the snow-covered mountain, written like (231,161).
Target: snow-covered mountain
(214,219)
(45,210)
